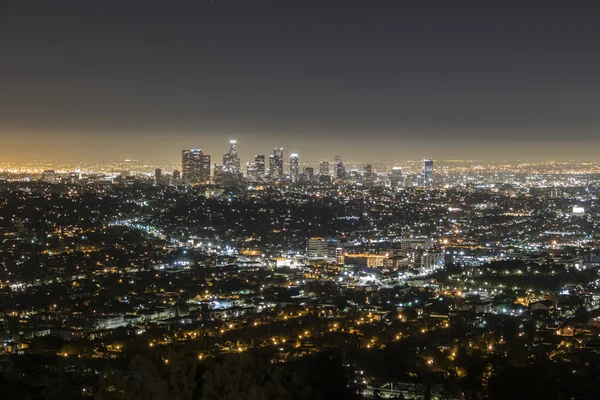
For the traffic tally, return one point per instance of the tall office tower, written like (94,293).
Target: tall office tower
(339,171)
(368,176)
(176,175)
(272,174)
(278,152)
(294,167)
(231,161)
(354,176)
(309,174)
(158,176)
(324,168)
(251,172)
(218,172)
(259,159)
(188,162)
(256,169)
(276,164)
(427,172)
(206,167)
(193,163)
(396,176)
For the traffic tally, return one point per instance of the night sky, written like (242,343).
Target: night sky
(369,79)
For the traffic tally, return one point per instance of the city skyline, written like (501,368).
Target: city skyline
(299,199)
(385,79)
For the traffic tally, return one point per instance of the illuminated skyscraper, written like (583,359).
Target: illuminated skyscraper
(259,159)
(251,171)
(276,164)
(294,167)
(195,166)
(206,167)
(368,175)
(256,169)
(231,161)
(339,170)
(176,175)
(396,176)
(158,176)
(309,174)
(427,172)
(324,168)
(191,165)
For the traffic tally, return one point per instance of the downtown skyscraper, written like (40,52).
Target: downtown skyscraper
(294,167)
(427,172)
(339,170)
(368,175)
(195,166)
(276,164)
(324,168)
(256,169)
(231,160)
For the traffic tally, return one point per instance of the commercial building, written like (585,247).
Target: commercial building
(339,170)
(231,160)
(276,164)
(427,172)
(195,166)
(294,167)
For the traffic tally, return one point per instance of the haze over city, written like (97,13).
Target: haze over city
(299,200)
(382,80)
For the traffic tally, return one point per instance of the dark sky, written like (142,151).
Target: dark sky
(368,79)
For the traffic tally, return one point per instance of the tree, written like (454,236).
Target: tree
(170,378)
(233,377)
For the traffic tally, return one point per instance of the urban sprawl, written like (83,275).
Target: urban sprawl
(445,280)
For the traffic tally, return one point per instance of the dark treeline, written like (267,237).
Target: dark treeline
(178,375)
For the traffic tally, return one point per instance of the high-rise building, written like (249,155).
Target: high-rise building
(324,168)
(354,176)
(231,160)
(195,166)
(176,175)
(309,174)
(158,176)
(218,173)
(276,164)
(272,174)
(339,170)
(191,164)
(368,175)
(256,169)
(251,172)
(206,167)
(294,167)
(427,172)
(396,177)
(259,159)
